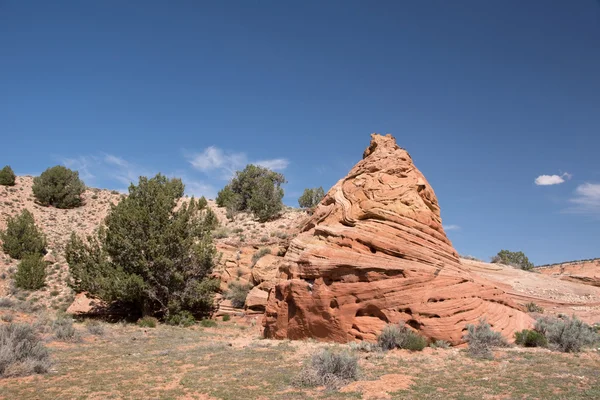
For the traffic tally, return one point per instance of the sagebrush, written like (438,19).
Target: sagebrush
(399,336)
(566,334)
(481,339)
(237,293)
(21,351)
(330,368)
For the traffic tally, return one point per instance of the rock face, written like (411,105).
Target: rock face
(585,271)
(374,252)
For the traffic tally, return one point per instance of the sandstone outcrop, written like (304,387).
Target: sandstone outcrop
(374,252)
(585,271)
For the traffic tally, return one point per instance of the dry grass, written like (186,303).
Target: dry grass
(231,362)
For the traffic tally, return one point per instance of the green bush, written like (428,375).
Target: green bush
(7,176)
(311,197)
(513,258)
(21,351)
(22,237)
(400,336)
(59,187)
(260,254)
(529,338)
(182,318)
(31,272)
(237,293)
(208,323)
(569,335)
(255,189)
(153,257)
(332,369)
(147,322)
(481,339)
(534,308)
(226,317)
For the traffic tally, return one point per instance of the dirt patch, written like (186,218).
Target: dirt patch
(381,388)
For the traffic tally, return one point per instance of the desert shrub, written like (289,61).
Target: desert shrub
(147,322)
(400,336)
(221,233)
(153,257)
(182,318)
(21,351)
(63,328)
(481,339)
(22,236)
(513,258)
(7,176)
(31,272)
(59,187)
(329,368)
(569,335)
(311,197)
(440,344)
(208,323)
(7,317)
(6,302)
(94,327)
(367,347)
(255,189)
(226,317)
(260,254)
(529,338)
(237,293)
(534,308)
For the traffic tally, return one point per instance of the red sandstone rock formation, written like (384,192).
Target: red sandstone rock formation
(374,252)
(585,271)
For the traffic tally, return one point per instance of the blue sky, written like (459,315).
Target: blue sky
(487,96)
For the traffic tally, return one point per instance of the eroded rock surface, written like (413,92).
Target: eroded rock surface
(374,252)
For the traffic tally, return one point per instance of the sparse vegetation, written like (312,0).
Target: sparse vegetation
(440,344)
(255,189)
(329,368)
(21,351)
(237,293)
(226,317)
(22,237)
(569,335)
(481,339)
(7,176)
(399,336)
(152,257)
(515,259)
(31,272)
(260,254)
(59,187)
(311,197)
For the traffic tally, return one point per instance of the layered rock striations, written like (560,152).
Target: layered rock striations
(374,252)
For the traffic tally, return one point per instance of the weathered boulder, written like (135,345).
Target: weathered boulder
(374,252)
(257,299)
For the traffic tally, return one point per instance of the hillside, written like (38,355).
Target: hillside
(237,240)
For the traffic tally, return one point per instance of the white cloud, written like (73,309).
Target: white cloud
(587,199)
(451,227)
(97,170)
(547,180)
(276,164)
(226,163)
